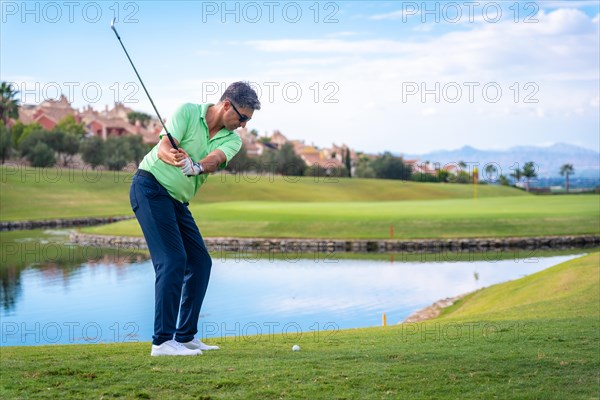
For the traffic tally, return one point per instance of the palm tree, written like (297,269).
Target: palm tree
(517,175)
(9,105)
(491,170)
(566,170)
(529,173)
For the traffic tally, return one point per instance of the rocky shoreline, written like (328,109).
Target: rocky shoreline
(59,223)
(433,310)
(330,246)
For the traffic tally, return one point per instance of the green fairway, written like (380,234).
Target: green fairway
(487,217)
(269,206)
(536,337)
(34,193)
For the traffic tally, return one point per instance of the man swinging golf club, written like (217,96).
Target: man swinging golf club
(167,179)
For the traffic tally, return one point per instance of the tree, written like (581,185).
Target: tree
(517,175)
(28,130)
(503,180)
(17,130)
(390,167)
(70,126)
(363,168)
(137,148)
(529,173)
(28,142)
(6,143)
(93,151)
(317,170)
(9,105)
(65,144)
(118,153)
(348,162)
(288,163)
(566,170)
(240,162)
(139,116)
(41,155)
(491,171)
(283,161)
(443,175)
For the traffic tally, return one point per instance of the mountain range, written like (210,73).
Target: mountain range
(548,160)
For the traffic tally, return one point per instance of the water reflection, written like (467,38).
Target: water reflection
(111,300)
(56,260)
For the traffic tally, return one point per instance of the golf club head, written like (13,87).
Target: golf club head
(112,26)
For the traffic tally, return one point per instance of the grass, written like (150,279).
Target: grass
(536,337)
(486,217)
(275,206)
(34,193)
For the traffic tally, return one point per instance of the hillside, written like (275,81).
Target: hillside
(29,193)
(547,159)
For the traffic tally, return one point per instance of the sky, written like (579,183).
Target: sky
(408,77)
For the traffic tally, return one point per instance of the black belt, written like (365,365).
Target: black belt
(146,174)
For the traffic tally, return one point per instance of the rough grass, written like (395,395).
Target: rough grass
(536,337)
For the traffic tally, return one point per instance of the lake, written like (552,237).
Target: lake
(103,302)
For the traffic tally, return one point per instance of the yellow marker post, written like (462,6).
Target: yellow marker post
(384,319)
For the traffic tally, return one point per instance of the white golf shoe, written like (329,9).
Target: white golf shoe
(196,344)
(173,348)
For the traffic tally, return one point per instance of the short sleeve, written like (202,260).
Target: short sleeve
(230,148)
(179,122)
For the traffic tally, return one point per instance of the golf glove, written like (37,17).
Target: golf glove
(191,168)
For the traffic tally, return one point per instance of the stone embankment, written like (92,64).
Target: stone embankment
(433,310)
(58,223)
(288,245)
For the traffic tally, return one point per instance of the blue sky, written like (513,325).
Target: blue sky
(404,76)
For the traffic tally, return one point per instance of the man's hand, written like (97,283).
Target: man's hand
(169,155)
(191,168)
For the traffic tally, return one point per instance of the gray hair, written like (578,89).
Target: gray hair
(242,95)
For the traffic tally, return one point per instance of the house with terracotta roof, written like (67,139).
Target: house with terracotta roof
(48,113)
(108,123)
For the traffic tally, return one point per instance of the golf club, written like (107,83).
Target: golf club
(112,25)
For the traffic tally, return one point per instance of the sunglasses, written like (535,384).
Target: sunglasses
(242,117)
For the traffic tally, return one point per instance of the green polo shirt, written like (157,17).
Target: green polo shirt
(188,126)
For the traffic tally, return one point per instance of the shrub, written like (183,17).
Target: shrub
(41,155)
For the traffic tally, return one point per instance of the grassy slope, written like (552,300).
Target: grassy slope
(569,290)
(540,341)
(30,193)
(487,217)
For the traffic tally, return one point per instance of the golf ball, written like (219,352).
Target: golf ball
(296,347)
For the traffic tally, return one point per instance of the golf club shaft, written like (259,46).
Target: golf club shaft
(145,90)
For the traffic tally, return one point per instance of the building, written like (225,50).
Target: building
(104,124)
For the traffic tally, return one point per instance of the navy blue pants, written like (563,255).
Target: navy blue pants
(181,261)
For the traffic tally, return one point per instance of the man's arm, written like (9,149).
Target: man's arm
(211,162)
(208,164)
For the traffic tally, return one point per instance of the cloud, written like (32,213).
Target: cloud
(558,57)
(567,3)
(334,46)
(395,15)
(563,43)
